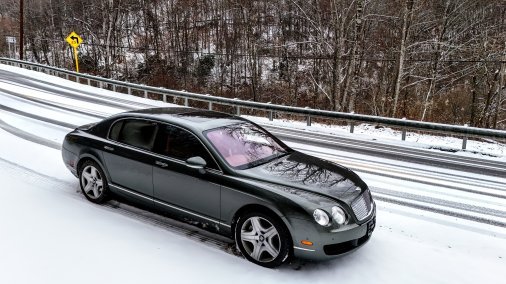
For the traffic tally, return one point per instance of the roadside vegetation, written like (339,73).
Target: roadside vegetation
(430,60)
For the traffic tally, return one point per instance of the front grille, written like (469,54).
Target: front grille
(362,205)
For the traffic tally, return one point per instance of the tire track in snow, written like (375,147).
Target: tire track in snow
(28,136)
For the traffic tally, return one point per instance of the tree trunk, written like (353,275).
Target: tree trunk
(501,89)
(406,21)
(473,101)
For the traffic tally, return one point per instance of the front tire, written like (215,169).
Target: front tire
(93,182)
(263,239)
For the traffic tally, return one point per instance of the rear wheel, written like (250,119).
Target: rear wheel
(263,239)
(93,182)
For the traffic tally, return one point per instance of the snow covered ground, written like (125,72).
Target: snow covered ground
(481,149)
(50,234)
(491,150)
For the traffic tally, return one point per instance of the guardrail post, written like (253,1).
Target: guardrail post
(308,118)
(352,125)
(146,95)
(164,96)
(271,114)
(78,79)
(210,105)
(66,76)
(403,132)
(464,140)
(129,90)
(88,80)
(186,102)
(237,109)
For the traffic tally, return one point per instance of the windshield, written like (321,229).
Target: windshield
(244,145)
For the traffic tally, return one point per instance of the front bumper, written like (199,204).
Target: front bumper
(328,243)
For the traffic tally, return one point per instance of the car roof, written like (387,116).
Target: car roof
(193,118)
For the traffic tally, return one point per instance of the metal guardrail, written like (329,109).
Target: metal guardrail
(309,113)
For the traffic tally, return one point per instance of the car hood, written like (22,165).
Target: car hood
(300,171)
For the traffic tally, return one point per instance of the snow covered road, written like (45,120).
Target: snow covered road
(51,234)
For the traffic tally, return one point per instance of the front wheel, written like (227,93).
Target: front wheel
(263,239)
(93,182)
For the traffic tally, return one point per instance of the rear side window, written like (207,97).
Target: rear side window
(115,129)
(137,133)
(180,144)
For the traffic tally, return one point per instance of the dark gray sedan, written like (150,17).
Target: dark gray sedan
(229,175)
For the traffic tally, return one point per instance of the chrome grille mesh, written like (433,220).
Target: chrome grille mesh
(362,205)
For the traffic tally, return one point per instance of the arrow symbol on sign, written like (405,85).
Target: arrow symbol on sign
(75,39)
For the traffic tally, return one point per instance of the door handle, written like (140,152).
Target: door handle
(161,164)
(109,148)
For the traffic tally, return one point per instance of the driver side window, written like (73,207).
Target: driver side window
(180,144)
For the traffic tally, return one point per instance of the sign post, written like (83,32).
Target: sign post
(74,40)
(11,40)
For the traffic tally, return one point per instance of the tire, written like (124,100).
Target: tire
(93,182)
(263,239)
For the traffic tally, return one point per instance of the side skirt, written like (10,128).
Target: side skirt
(222,227)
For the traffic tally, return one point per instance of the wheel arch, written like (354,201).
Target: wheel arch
(270,212)
(90,157)
(262,209)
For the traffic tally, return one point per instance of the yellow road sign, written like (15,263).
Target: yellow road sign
(74,39)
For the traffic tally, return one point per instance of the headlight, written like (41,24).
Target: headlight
(321,217)
(338,215)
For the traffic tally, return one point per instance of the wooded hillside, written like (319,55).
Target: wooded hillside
(431,60)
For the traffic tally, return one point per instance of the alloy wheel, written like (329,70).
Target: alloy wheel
(260,239)
(93,185)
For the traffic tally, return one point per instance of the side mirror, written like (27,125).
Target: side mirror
(196,163)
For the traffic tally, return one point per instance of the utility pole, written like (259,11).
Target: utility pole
(21,17)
